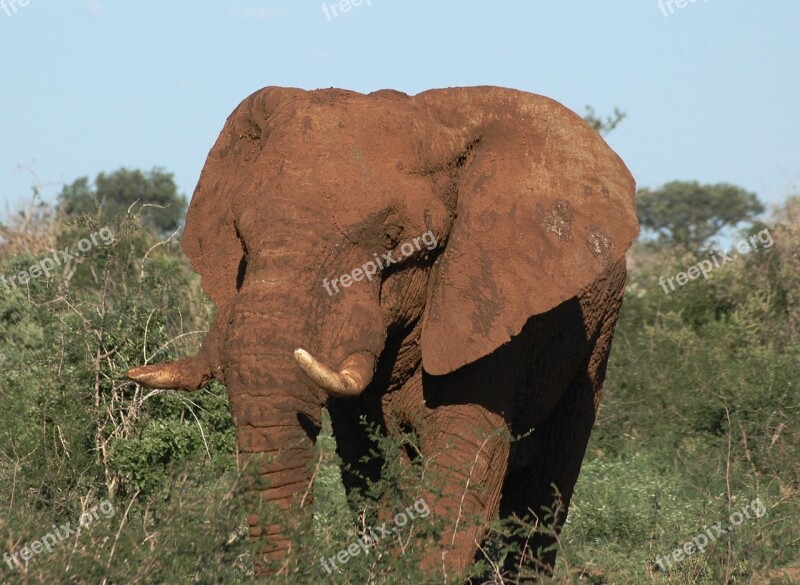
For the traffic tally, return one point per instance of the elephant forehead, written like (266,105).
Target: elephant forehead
(333,139)
(358,127)
(353,162)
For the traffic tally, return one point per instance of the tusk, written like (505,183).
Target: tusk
(354,376)
(188,374)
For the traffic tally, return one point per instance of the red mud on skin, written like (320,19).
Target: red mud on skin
(506,324)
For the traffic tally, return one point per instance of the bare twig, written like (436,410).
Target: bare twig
(119,531)
(156,245)
(729,494)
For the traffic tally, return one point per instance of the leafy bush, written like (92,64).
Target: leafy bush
(699,416)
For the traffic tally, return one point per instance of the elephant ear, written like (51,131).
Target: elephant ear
(210,239)
(544,207)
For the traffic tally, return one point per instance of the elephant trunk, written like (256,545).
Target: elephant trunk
(276,401)
(276,405)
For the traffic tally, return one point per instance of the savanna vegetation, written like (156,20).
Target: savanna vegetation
(699,417)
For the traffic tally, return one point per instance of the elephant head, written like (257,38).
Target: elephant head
(481,207)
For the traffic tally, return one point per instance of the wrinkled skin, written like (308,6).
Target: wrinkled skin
(504,322)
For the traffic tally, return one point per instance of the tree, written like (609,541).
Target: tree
(603,126)
(163,207)
(689,214)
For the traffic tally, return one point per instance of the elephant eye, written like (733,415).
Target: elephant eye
(391,236)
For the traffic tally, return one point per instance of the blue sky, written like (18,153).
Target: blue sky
(711,89)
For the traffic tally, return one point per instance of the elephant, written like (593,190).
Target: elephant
(498,220)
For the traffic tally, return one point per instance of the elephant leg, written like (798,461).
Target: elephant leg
(557,448)
(466,453)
